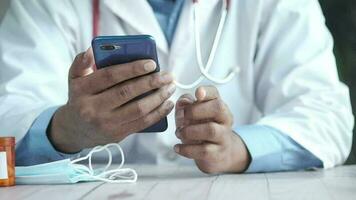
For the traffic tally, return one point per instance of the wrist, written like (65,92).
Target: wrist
(240,158)
(60,136)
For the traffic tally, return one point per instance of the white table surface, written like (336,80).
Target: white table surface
(182,182)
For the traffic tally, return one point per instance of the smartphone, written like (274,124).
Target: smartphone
(114,50)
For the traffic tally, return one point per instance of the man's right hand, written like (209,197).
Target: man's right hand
(98,112)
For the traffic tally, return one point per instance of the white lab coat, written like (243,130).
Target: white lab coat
(288,76)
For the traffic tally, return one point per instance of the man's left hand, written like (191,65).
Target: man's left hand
(204,125)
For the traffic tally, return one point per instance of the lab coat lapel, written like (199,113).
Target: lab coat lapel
(140,16)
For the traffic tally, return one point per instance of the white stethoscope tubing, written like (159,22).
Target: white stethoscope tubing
(204,69)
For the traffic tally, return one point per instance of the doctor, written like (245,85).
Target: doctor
(285,110)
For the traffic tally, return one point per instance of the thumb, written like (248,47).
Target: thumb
(206,93)
(82,65)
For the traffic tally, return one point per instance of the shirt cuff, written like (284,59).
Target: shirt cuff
(35,147)
(272,150)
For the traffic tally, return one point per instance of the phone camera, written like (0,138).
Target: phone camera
(109,47)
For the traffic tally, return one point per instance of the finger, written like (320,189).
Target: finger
(191,142)
(121,94)
(207,132)
(140,108)
(107,77)
(204,151)
(150,119)
(213,110)
(185,141)
(82,65)
(184,100)
(206,93)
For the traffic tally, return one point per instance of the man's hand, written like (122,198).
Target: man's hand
(204,127)
(98,112)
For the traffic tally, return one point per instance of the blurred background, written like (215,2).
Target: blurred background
(341,20)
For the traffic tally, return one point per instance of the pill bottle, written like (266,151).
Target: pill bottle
(7,161)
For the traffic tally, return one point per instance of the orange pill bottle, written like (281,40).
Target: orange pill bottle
(7,161)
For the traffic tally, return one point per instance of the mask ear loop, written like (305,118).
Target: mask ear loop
(89,169)
(99,149)
(109,176)
(205,69)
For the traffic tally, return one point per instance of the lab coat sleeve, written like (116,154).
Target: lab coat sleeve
(297,86)
(36,51)
(272,150)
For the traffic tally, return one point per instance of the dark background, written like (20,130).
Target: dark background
(341,20)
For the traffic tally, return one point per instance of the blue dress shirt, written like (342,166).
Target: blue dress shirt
(270,149)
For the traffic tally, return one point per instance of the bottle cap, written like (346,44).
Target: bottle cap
(7,141)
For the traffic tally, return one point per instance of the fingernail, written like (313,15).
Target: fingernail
(149,66)
(171,88)
(176,148)
(202,94)
(178,134)
(166,77)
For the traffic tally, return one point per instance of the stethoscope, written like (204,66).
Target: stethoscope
(204,69)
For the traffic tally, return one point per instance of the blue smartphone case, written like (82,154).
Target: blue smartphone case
(113,50)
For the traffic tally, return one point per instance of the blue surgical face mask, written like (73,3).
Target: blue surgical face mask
(67,171)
